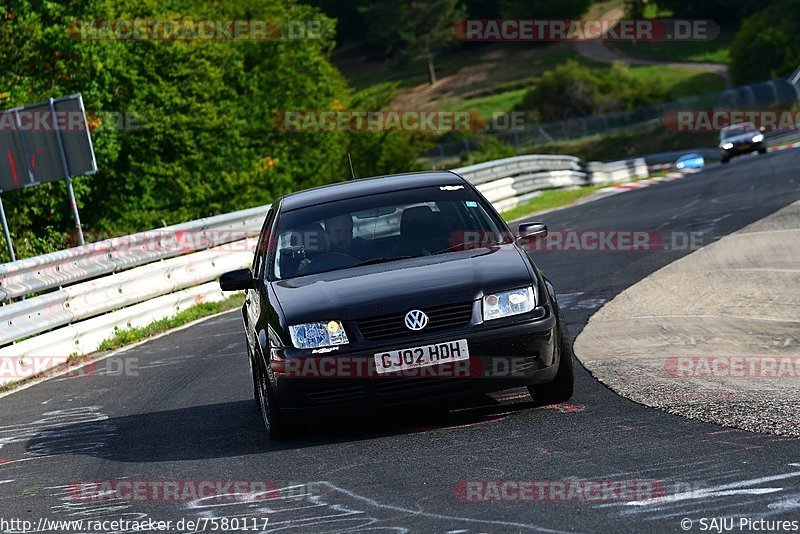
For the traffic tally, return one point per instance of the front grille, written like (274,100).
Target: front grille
(393,325)
(340,394)
(392,389)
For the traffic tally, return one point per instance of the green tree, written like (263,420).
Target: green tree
(729,12)
(350,25)
(635,8)
(489,148)
(207,141)
(575,90)
(413,30)
(768,44)
(544,9)
(387,152)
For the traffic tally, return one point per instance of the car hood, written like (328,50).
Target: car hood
(740,138)
(402,285)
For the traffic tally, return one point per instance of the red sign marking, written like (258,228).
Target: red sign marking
(13,168)
(33,158)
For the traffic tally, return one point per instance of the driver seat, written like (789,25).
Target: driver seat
(422,231)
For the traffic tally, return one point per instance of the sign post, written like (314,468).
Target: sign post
(5,230)
(63,156)
(45,142)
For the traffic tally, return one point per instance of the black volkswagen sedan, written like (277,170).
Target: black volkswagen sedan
(389,292)
(738,139)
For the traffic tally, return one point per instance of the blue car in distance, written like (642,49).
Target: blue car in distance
(691,162)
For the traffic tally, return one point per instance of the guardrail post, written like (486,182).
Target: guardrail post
(6,232)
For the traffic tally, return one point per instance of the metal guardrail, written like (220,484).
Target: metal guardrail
(101,295)
(508,182)
(130,281)
(617,171)
(45,351)
(503,168)
(72,265)
(769,93)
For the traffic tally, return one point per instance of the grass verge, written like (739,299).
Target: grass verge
(494,78)
(128,336)
(716,50)
(627,143)
(549,200)
(132,335)
(501,102)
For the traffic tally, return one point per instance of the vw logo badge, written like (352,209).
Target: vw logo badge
(416,320)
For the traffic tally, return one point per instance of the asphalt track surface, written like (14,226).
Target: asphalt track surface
(184,411)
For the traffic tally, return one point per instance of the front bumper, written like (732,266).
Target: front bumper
(506,353)
(741,148)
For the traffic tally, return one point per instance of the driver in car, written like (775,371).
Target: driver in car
(314,243)
(337,239)
(339,231)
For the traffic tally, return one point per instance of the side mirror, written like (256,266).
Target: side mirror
(237,280)
(532,230)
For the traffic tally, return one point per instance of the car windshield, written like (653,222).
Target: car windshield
(737,129)
(382,228)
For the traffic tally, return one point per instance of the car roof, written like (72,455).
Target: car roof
(368,186)
(738,126)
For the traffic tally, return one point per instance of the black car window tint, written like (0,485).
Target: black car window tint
(267,241)
(378,224)
(260,253)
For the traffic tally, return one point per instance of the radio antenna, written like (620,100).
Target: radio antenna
(352,172)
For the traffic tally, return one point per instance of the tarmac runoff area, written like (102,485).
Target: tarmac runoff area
(714,336)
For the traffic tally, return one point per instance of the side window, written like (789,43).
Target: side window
(259,260)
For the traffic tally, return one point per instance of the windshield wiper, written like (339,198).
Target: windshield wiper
(373,261)
(451,249)
(467,246)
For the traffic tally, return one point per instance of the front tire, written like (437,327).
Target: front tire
(561,388)
(275,422)
(254,370)
(762,150)
(724,160)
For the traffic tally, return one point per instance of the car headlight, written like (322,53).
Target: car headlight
(680,165)
(727,146)
(322,334)
(757,138)
(509,303)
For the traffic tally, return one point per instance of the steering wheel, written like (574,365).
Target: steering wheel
(328,261)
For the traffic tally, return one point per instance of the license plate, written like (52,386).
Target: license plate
(399,360)
(744,147)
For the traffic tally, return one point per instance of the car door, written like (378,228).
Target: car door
(252,308)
